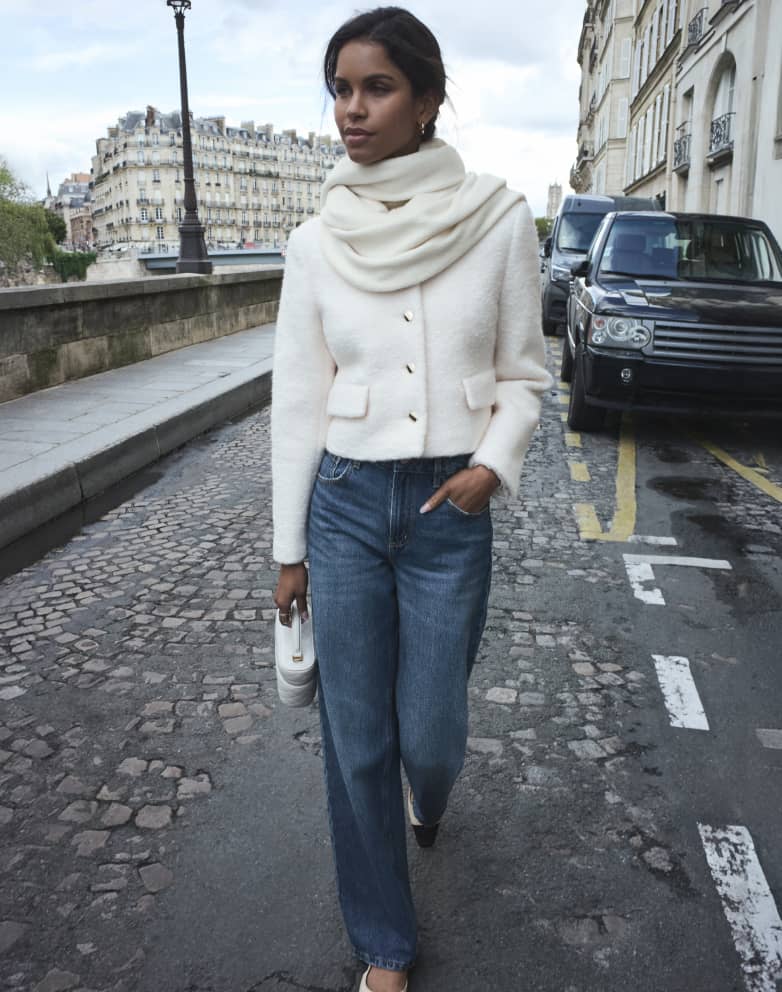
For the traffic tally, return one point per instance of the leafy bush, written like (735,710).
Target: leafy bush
(72,263)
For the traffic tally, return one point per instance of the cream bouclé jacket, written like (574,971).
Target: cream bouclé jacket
(449,366)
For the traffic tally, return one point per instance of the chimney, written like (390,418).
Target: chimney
(150,120)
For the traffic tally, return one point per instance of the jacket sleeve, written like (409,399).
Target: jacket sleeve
(519,360)
(302,374)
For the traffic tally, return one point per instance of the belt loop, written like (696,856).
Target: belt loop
(437,473)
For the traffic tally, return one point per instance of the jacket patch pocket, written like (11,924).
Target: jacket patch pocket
(480,389)
(346,399)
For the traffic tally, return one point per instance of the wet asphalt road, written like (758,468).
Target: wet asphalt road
(162,820)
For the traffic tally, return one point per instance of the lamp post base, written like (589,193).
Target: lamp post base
(192,250)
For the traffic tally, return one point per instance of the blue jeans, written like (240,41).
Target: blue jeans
(398,605)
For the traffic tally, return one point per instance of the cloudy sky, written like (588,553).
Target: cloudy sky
(71,68)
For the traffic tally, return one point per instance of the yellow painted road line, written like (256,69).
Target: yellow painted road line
(761,464)
(564,399)
(572,440)
(750,474)
(623,523)
(563,417)
(579,472)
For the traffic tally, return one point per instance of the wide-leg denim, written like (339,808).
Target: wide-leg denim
(398,604)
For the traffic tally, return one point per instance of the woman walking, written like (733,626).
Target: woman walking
(408,369)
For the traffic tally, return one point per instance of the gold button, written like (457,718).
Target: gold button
(408,315)
(412,415)
(410,367)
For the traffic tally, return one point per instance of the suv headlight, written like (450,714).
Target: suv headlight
(620,332)
(561,273)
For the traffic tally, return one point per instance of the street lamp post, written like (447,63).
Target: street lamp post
(192,247)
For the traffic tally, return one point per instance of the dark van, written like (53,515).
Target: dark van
(574,227)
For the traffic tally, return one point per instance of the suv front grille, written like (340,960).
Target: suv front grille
(710,343)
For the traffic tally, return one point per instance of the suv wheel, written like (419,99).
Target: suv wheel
(581,416)
(566,366)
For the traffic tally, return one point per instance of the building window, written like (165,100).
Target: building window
(160,234)
(140,156)
(144,213)
(158,213)
(156,175)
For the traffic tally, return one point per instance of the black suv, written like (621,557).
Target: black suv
(675,312)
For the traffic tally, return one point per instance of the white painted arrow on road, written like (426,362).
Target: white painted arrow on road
(640,572)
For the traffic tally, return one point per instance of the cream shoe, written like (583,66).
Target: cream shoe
(365,988)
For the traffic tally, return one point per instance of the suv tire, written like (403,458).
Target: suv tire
(581,416)
(566,365)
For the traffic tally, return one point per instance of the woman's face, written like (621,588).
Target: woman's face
(377,115)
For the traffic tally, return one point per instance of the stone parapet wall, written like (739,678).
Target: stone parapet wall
(50,335)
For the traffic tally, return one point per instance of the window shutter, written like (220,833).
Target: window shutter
(630,160)
(671,20)
(656,145)
(653,42)
(663,26)
(664,124)
(636,67)
(621,123)
(624,62)
(648,135)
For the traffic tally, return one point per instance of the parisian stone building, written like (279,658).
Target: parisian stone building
(702,129)
(73,202)
(605,57)
(253,185)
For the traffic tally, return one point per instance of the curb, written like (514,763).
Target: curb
(39,492)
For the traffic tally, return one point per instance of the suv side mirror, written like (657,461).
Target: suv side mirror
(547,248)
(579,269)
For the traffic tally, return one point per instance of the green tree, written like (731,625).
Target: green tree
(544,226)
(24,231)
(10,187)
(56,226)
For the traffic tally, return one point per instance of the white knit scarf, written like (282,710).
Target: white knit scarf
(445,213)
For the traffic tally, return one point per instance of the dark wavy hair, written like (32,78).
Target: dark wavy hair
(409,44)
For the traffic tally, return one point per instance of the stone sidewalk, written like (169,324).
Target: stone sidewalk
(63,445)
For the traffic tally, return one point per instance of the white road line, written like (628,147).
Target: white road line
(640,572)
(770,738)
(747,902)
(680,692)
(659,542)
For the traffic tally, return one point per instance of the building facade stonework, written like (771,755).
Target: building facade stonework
(253,185)
(704,119)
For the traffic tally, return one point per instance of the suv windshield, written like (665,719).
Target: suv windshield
(576,231)
(719,249)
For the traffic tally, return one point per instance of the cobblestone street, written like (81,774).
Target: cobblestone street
(162,818)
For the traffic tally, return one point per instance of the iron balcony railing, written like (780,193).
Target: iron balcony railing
(721,134)
(681,151)
(697,27)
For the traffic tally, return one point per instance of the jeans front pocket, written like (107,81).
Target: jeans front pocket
(467,513)
(332,468)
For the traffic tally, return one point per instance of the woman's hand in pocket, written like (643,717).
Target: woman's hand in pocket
(470,489)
